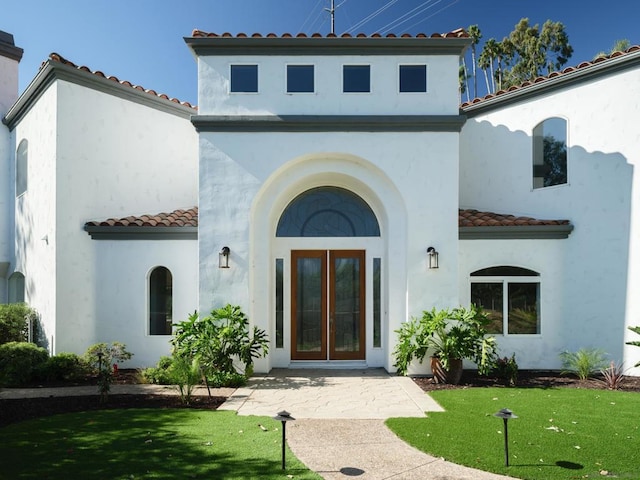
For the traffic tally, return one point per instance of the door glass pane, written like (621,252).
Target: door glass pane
(279,303)
(377,306)
(347,305)
(523,308)
(489,297)
(309,322)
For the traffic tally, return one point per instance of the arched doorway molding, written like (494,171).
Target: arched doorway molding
(327,169)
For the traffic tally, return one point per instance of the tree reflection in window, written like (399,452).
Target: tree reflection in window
(328,212)
(511,298)
(550,153)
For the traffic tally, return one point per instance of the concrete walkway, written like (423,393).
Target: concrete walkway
(339,430)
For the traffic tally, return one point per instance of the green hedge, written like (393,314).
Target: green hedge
(14,322)
(20,363)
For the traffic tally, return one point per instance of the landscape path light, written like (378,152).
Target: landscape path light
(284,417)
(505,414)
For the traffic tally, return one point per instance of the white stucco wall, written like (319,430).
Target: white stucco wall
(246,181)
(115,158)
(598,274)
(441,97)
(35,213)
(121,270)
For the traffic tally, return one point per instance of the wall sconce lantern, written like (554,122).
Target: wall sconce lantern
(433,257)
(223,257)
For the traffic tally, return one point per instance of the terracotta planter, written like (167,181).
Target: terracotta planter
(440,375)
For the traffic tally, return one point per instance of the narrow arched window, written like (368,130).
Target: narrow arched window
(550,153)
(511,298)
(16,288)
(21,168)
(328,212)
(160,301)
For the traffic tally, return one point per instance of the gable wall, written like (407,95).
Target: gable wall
(114,158)
(600,200)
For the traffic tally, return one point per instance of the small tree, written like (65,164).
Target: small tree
(101,358)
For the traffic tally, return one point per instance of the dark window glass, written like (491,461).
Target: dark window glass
(244,78)
(550,153)
(523,308)
(489,297)
(356,78)
(377,304)
(279,303)
(413,78)
(328,212)
(160,301)
(300,79)
(505,271)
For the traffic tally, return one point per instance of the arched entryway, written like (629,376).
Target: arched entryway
(328,287)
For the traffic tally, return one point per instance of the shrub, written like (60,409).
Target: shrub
(215,341)
(14,322)
(186,375)
(613,375)
(20,362)
(100,358)
(226,379)
(161,374)
(507,369)
(583,363)
(64,367)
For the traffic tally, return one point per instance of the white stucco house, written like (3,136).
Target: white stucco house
(333,187)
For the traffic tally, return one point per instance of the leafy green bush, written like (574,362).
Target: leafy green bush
(20,362)
(507,369)
(583,363)
(186,376)
(227,379)
(162,373)
(215,341)
(64,366)
(14,321)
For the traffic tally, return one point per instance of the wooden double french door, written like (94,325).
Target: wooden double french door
(327,301)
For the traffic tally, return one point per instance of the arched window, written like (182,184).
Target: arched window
(160,301)
(328,212)
(511,298)
(21,168)
(16,288)
(550,153)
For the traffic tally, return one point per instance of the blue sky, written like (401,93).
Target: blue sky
(142,40)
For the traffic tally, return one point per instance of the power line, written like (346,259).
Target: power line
(427,5)
(313,10)
(372,16)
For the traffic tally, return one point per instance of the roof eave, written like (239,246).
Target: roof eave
(516,232)
(141,233)
(53,70)
(579,75)
(206,46)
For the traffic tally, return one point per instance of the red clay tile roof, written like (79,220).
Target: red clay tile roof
(474,218)
(177,218)
(59,58)
(582,66)
(189,218)
(459,33)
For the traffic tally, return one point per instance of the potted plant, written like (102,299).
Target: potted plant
(452,336)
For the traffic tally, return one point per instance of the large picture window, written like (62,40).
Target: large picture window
(511,298)
(160,301)
(550,153)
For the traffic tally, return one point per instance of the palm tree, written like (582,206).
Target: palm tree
(475,35)
(490,53)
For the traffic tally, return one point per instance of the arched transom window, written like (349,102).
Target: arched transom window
(328,212)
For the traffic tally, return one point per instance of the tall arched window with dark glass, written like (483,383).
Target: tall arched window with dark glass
(160,301)
(550,153)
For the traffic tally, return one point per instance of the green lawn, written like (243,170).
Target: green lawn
(560,433)
(146,444)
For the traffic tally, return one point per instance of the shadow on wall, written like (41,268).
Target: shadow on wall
(497,174)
